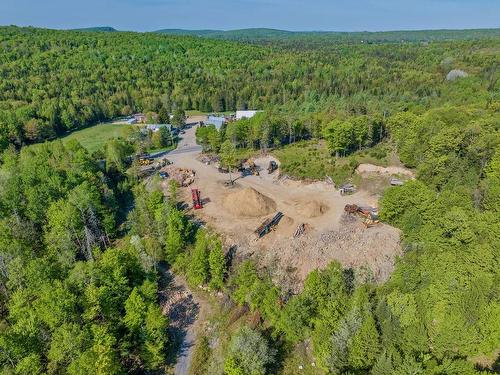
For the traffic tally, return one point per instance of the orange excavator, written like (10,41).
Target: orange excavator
(368,214)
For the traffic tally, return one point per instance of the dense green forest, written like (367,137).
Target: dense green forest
(273,35)
(83,247)
(55,81)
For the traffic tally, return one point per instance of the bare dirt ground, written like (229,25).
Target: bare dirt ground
(196,119)
(391,171)
(329,235)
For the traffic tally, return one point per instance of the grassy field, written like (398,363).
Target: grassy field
(95,137)
(305,160)
(311,160)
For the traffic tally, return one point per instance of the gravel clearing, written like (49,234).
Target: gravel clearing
(235,213)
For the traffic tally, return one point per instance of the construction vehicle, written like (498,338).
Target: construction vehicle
(254,169)
(197,203)
(369,215)
(272,166)
(249,168)
(396,182)
(268,225)
(144,159)
(347,189)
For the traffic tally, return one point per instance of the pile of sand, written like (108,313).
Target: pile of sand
(249,202)
(312,209)
(392,170)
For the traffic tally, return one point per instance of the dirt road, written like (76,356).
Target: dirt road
(330,236)
(185,312)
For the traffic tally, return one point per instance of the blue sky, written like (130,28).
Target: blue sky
(336,15)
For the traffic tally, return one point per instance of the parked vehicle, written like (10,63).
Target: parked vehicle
(272,167)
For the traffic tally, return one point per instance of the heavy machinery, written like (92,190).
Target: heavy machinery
(249,168)
(197,203)
(145,161)
(396,182)
(347,189)
(272,166)
(268,225)
(369,215)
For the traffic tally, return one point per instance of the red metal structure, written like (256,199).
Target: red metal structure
(197,204)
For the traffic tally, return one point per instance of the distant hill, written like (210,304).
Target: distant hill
(263,34)
(189,32)
(97,29)
(231,34)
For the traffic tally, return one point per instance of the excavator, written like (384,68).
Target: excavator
(369,215)
(249,168)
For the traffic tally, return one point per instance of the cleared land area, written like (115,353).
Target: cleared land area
(236,211)
(95,137)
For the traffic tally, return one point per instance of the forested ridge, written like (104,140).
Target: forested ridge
(55,81)
(263,35)
(83,243)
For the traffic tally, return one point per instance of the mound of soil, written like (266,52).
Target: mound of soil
(312,209)
(250,203)
(392,170)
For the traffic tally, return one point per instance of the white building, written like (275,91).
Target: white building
(245,114)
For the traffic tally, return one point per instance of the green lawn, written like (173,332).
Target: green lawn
(162,149)
(95,137)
